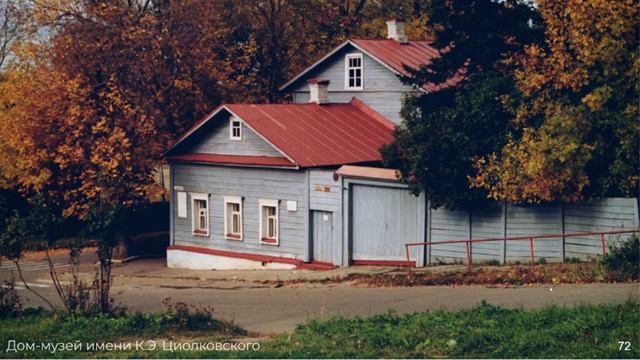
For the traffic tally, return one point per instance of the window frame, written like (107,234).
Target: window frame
(232,120)
(233,200)
(181,204)
(347,68)
(264,203)
(196,231)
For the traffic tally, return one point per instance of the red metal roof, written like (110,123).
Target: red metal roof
(319,135)
(234,160)
(307,135)
(392,54)
(413,54)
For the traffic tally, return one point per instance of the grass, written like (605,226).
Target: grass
(178,322)
(481,332)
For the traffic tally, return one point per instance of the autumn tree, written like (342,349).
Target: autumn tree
(90,111)
(444,131)
(579,111)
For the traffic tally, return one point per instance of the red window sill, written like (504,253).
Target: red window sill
(200,233)
(236,237)
(269,241)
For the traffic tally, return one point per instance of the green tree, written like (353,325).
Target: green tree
(443,132)
(579,108)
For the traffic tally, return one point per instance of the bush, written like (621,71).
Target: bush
(10,303)
(623,260)
(181,316)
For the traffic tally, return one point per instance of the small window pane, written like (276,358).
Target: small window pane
(201,217)
(353,73)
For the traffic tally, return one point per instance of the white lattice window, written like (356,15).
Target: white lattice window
(200,214)
(269,222)
(235,129)
(233,217)
(353,72)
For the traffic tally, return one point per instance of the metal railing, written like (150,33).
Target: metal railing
(530,238)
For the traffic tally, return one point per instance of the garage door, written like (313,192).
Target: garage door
(383,219)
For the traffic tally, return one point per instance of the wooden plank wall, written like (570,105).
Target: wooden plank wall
(252,185)
(325,194)
(509,220)
(598,215)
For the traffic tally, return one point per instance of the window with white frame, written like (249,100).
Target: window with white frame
(353,72)
(200,214)
(235,129)
(269,222)
(233,217)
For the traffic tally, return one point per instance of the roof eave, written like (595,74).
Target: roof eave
(207,118)
(201,162)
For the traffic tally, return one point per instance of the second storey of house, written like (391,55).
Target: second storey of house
(369,70)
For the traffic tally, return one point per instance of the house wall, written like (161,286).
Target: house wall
(317,190)
(217,141)
(325,194)
(252,184)
(382,91)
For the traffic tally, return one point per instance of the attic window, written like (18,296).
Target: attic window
(235,129)
(353,72)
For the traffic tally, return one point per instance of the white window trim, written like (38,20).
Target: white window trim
(232,200)
(194,197)
(231,121)
(273,203)
(346,71)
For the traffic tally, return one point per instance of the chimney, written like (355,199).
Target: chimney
(318,91)
(395,30)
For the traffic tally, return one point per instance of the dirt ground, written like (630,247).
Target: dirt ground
(254,299)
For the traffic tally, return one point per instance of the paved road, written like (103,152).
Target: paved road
(269,310)
(143,285)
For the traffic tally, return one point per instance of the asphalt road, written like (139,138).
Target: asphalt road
(268,310)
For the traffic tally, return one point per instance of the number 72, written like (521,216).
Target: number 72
(624,345)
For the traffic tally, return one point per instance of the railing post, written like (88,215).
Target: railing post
(604,246)
(469,259)
(406,249)
(533,256)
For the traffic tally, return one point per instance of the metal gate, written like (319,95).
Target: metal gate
(322,230)
(383,219)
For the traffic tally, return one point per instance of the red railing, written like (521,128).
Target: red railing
(530,238)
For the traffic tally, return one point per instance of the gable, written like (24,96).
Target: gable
(214,138)
(376,76)
(302,135)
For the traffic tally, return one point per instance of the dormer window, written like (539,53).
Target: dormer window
(353,72)
(235,129)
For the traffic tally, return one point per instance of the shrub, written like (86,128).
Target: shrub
(623,260)
(181,316)
(10,302)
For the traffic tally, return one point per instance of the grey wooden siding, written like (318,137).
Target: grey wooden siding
(383,220)
(252,185)
(597,215)
(382,88)
(217,141)
(513,221)
(488,223)
(448,225)
(325,194)
(534,220)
